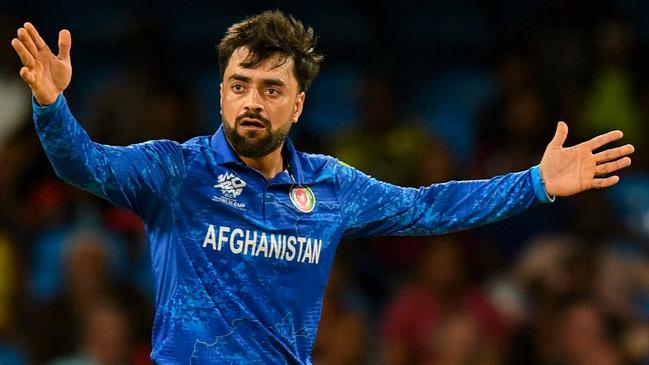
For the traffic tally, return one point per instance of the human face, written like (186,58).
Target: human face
(259,105)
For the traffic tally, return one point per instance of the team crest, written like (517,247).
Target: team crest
(302,197)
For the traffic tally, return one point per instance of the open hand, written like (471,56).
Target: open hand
(45,73)
(570,170)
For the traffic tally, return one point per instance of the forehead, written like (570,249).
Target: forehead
(273,67)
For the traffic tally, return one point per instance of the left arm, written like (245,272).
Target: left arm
(370,207)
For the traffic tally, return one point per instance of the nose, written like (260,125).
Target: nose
(253,102)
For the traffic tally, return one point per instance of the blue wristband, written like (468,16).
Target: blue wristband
(539,186)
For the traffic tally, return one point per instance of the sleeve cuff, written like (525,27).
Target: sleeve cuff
(41,110)
(539,186)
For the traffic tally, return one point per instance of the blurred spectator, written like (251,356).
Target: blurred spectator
(635,344)
(344,333)
(585,336)
(8,281)
(457,341)
(87,280)
(146,101)
(22,166)
(552,272)
(11,352)
(14,97)
(514,127)
(436,164)
(447,103)
(630,203)
(439,294)
(398,149)
(552,268)
(105,338)
(622,282)
(611,103)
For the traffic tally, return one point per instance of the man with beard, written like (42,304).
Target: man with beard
(242,227)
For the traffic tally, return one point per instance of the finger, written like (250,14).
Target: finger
(614,153)
(65,43)
(603,139)
(27,41)
(560,135)
(40,43)
(609,167)
(27,75)
(25,57)
(605,182)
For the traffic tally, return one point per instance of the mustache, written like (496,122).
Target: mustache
(253,115)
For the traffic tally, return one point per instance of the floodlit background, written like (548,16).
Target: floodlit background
(413,94)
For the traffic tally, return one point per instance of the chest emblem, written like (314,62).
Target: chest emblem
(230,184)
(302,197)
(231,187)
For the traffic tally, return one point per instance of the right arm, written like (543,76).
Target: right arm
(126,176)
(129,176)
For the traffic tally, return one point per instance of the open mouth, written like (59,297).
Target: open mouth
(252,124)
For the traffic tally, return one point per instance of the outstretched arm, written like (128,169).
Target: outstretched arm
(570,170)
(371,207)
(137,176)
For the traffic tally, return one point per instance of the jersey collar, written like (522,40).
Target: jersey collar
(224,154)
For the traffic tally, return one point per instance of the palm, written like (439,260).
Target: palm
(570,170)
(52,74)
(46,73)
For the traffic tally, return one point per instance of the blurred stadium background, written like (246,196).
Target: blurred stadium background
(410,93)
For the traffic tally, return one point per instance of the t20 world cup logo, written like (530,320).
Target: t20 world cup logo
(230,184)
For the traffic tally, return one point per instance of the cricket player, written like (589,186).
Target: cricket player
(242,227)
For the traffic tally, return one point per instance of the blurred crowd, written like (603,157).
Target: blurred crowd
(410,94)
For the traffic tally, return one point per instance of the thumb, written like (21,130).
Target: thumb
(65,43)
(560,135)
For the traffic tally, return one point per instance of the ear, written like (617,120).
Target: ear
(298,106)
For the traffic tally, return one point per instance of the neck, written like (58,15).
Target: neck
(269,165)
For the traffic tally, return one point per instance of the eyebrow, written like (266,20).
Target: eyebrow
(276,82)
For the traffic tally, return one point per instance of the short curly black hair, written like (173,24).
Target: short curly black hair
(269,34)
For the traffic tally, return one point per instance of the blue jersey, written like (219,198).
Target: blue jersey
(240,262)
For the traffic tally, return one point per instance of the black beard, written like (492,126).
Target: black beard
(250,147)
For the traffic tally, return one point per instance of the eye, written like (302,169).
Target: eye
(272,92)
(237,88)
